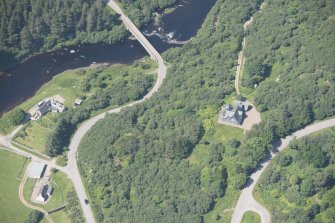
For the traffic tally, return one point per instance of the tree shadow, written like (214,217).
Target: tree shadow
(7,60)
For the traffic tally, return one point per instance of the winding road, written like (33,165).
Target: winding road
(72,166)
(71,170)
(246,201)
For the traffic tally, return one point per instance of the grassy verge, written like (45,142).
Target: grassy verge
(35,134)
(62,160)
(29,151)
(10,204)
(251,217)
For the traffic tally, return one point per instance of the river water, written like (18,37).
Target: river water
(22,81)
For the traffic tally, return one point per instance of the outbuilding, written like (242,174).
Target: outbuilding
(36,170)
(77,102)
(44,193)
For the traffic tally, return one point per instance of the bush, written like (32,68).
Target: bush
(34,217)
(13,118)
(234,143)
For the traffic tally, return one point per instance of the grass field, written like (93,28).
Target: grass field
(10,204)
(35,134)
(69,86)
(61,185)
(251,217)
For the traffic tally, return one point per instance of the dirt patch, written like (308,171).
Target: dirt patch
(253,117)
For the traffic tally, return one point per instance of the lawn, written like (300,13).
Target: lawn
(251,217)
(69,85)
(10,204)
(217,133)
(35,134)
(61,185)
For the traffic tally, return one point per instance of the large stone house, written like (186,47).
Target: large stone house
(46,106)
(233,114)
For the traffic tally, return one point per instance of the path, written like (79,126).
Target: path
(25,203)
(87,125)
(72,169)
(246,201)
(252,116)
(240,61)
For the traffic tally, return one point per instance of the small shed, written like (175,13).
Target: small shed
(77,102)
(37,170)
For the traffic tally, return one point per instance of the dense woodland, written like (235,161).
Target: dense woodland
(136,163)
(141,12)
(29,26)
(292,41)
(151,142)
(73,209)
(299,184)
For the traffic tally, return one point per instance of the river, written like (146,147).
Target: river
(22,81)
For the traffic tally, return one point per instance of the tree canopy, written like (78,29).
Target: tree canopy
(136,163)
(298,186)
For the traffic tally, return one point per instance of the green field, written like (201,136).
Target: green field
(70,85)
(35,134)
(61,185)
(251,217)
(10,204)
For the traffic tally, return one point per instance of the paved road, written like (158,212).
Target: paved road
(6,142)
(87,125)
(246,201)
(72,169)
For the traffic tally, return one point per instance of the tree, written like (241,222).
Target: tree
(34,217)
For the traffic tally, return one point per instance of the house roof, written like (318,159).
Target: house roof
(233,113)
(57,105)
(36,170)
(44,108)
(78,101)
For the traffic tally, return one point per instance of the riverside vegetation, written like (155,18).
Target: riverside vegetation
(100,88)
(31,26)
